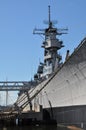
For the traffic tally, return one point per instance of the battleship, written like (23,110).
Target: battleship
(59,90)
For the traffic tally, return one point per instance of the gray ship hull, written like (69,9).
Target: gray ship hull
(70,115)
(63,95)
(73,112)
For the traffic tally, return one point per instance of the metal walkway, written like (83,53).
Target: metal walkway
(15,85)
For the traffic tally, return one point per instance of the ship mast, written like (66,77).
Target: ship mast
(49,15)
(51,46)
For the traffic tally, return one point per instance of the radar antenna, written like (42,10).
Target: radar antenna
(50,27)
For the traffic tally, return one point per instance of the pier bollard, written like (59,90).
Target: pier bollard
(82,125)
(17,121)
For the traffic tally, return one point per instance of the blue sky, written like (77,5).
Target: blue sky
(20,50)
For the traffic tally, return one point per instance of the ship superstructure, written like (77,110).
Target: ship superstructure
(51,45)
